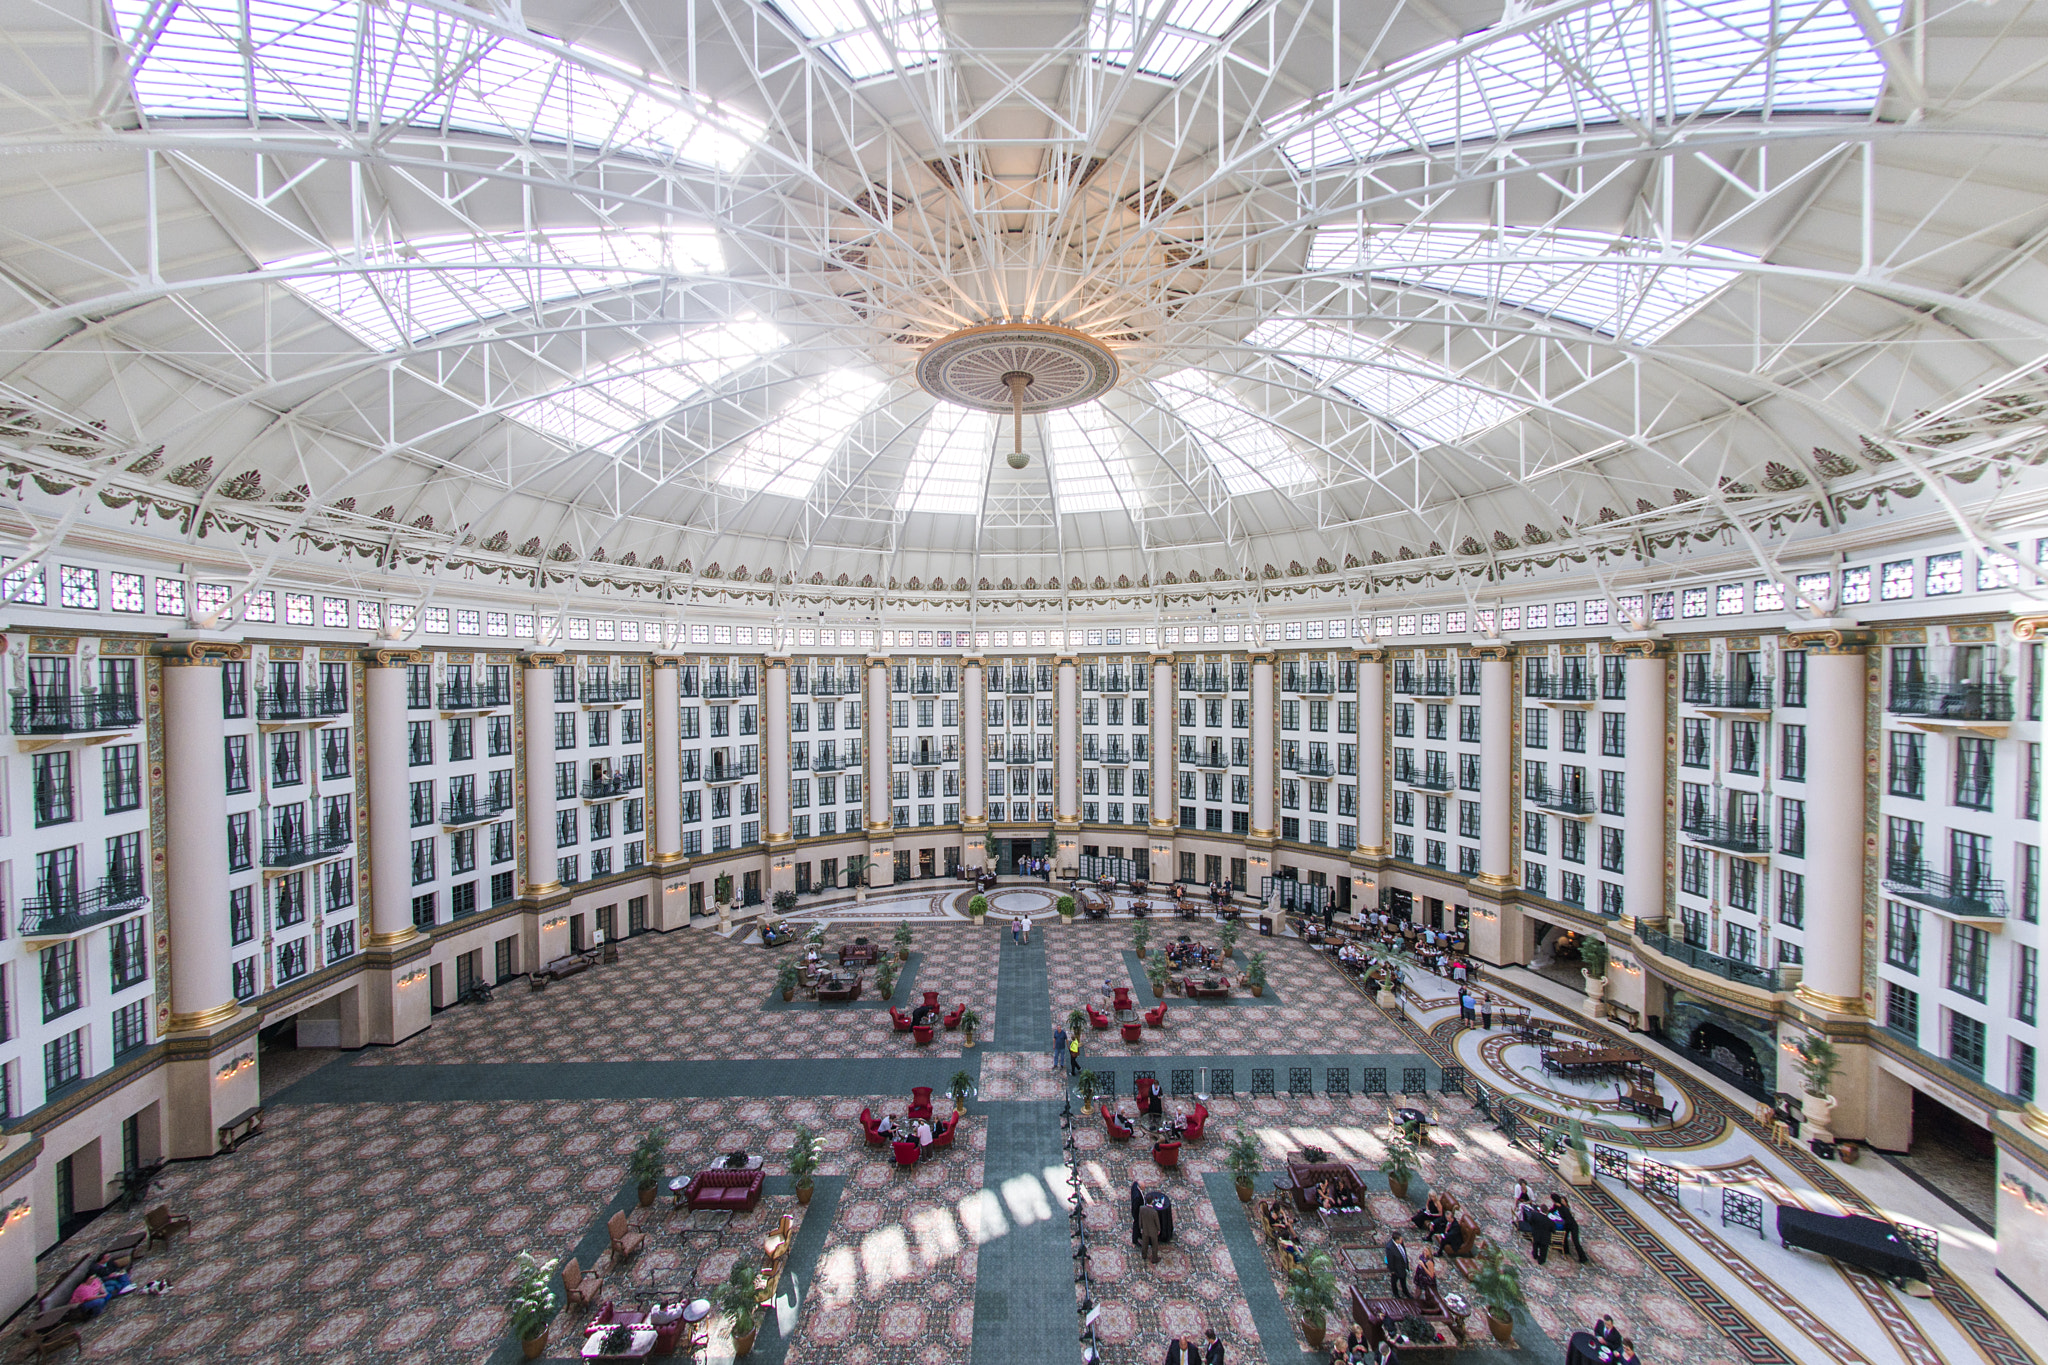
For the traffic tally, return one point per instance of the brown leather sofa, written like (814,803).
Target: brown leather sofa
(737,1191)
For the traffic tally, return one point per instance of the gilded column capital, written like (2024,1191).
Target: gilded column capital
(667,661)
(775,661)
(1833,640)
(1066,661)
(1644,648)
(1496,651)
(2029,628)
(1265,655)
(392,658)
(202,653)
(1370,654)
(538,659)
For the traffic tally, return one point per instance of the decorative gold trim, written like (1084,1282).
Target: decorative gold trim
(2035,1118)
(393,658)
(1838,1004)
(537,660)
(219,1014)
(668,661)
(374,939)
(2028,628)
(1837,641)
(1493,651)
(1370,654)
(1493,881)
(537,890)
(668,859)
(775,661)
(1066,660)
(1637,649)
(202,654)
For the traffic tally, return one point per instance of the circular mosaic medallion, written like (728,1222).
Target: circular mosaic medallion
(973,366)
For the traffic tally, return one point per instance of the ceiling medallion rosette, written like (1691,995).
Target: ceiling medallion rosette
(1019,368)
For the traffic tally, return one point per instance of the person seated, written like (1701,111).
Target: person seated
(1628,1352)
(662,1314)
(887,1127)
(1326,1197)
(1283,1219)
(924,1134)
(1431,1216)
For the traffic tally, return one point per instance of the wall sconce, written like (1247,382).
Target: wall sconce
(415,975)
(16,1211)
(236,1065)
(1632,968)
(2034,1199)
(557,922)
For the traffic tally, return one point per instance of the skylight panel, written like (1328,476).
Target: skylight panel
(950,465)
(621,397)
(362,64)
(1249,454)
(1622,286)
(1415,394)
(394,294)
(1089,472)
(1192,27)
(909,30)
(786,456)
(1598,65)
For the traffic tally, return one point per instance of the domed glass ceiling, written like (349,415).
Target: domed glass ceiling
(1385,281)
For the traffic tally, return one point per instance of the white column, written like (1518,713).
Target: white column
(538,684)
(775,747)
(1067,729)
(1496,762)
(390,845)
(196,836)
(1263,826)
(665,734)
(974,755)
(1642,878)
(1372,752)
(1835,754)
(1164,755)
(877,758)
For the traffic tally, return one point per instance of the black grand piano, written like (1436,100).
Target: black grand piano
(1867,1243)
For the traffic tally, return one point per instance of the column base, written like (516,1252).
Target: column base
(670,859)
(210,1077)
(1493,881)
(374,940)
(1821,1000)
(396,997)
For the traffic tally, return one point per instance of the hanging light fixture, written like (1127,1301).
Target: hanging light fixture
(1019,368)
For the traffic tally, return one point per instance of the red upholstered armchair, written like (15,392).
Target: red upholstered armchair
(1167,1154)
(1123,997)
(867,1123)
(1118,1131)
(902,1019)
(906,1154)
(931,1000)
(1156,1018)
(944,1136)
(1097,1017)
(1197,1120)
(1133,1032)
(920,1103)
(959,1011)
(921,1034)
(1144,1085)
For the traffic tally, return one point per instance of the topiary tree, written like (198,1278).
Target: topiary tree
(1593,956)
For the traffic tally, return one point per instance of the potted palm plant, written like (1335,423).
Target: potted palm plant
(803,1163)
(977,906)
(1228,935)
(1312,1292)
(1593,958)
(1818,1062)
(1398,1165)
(885,978)
(721,897)
(857,876)
(1157,970)
(1255,973)
(1076,1021)
(1574,1158)
(534,1302)
(1141,938)
(1086,1085)
(1066,909)
(646,1164)
(1497,1285)
(737,1300)
(1243,1159)
(969,1022)
(787,977)
(960,1087)
(784,901)
(902,940)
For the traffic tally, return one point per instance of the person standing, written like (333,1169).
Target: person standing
(1397,1266)
(1148,1232)
(1027,929)
(1540,1228)
(1568,1225)
(1059,1044)
(1214,1354)
(1074,1055)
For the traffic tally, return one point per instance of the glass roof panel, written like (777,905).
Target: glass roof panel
(909,30)
(360,63)
(1417,395)
(621,397)
(1599,65)
(1249,453)
(950,466)
(1089,471)
(393,294)
(786,456)
(1191,28)
(1622,286)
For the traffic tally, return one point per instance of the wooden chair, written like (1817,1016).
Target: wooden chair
(777,1245)
(62,1339)
(161,1225)
(625,1242)
(582,1289)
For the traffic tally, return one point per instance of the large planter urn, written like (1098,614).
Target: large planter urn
(1818,1110)
(1503,1329)
(1596,993)
(1386,999)
(1574,1167)
(1314,1329)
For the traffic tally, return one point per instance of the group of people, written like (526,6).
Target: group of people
(1605,1333)
(1332,1197)
(1020,929)
(1544,1225)
(107,1281)
(919,1132)
(1188,1351)
(1187,953)
(1035,867)
(1354,1351)
(1476,1006)
(1425,1273)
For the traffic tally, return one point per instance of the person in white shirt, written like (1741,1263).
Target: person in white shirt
(924,1133)
(1027,928)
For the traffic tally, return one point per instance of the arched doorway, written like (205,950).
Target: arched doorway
(1729,1053)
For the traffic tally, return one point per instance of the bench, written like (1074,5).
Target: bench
(1627,1015)
(566,966)
(241,1128)
(58,1296)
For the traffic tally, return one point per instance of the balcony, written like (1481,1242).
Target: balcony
(930,758)
(1116,755)
(1742,696)
(303,846)
(1985,708)
(1970,895)
(618,784)
(1318,768)
(1563,801)
(1563,691)
(1214,758)
(719,773)
(1750,838)
(474,812)
(469,697)
(1428,780)
(70,912)
(833,763)
(1313,683)
(297,707)
(1428,685)
(1727,968)
(721,689)
(611,693)
(61,718)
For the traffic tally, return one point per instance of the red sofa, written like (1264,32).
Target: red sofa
(737,1191)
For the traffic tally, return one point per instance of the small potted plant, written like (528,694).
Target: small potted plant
(1076,1021)
(1141,938)
(1243,1159)
(783,901)
(857,876)
(1066,908)
(1817,1065)
(1086,1085)
(1497,1285)
(737,1300)
(1398,1165)
(1255,973)
(960,1087)
(885,978)
(1157,970)
(646,1164)
(969,1022)
(803,1163)
(787,977)
(721,898)
(534,1302)
(902,940)
(1593,958)
(977,906)
(1312,1292)
(1228,935)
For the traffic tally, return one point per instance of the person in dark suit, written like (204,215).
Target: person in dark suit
(1137,1199)
(1397,1266)
(1539,1228)
(1568,1226)
(1213,1354)
(1173,1352)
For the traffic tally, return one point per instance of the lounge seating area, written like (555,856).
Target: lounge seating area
(730,1191)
